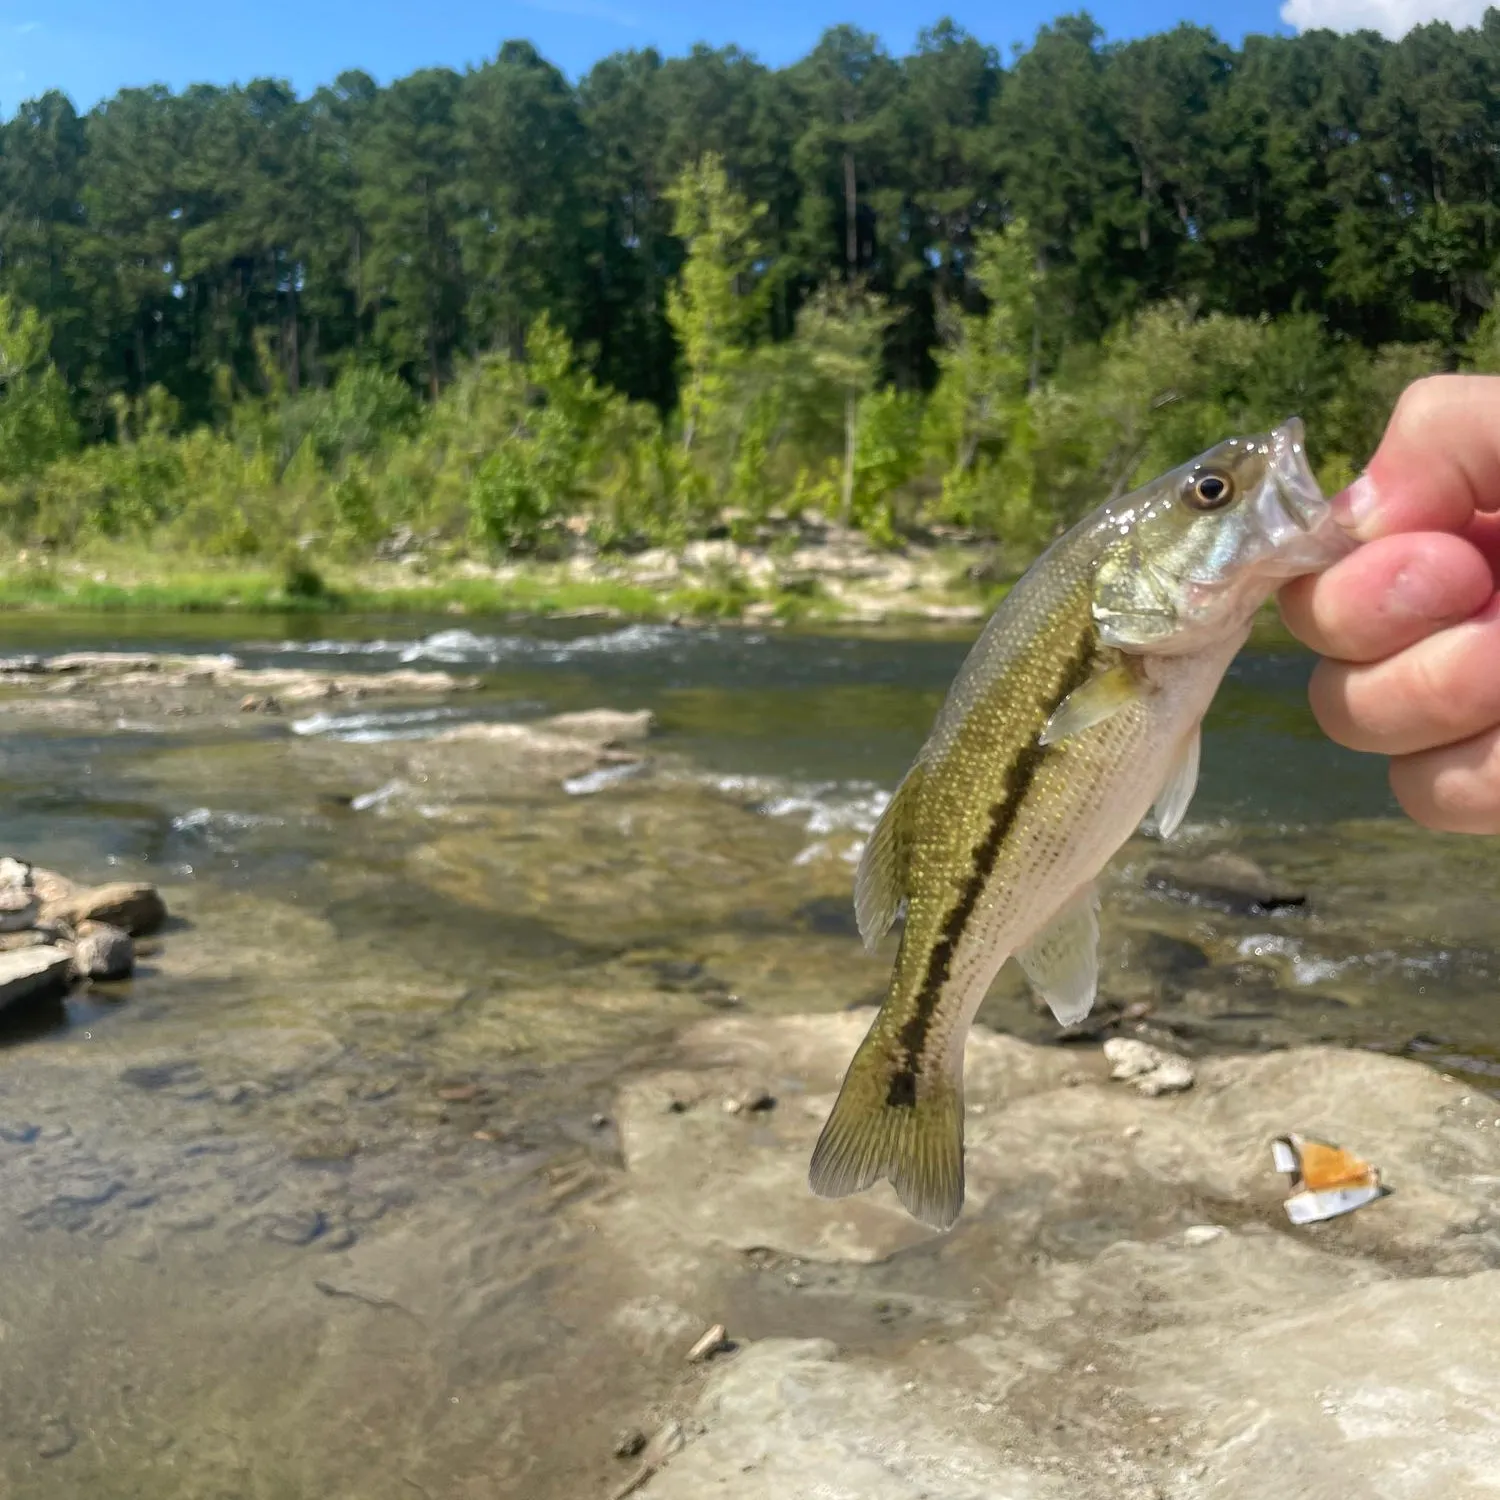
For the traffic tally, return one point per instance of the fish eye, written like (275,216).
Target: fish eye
(1210,491)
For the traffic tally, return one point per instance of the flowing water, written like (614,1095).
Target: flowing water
(297,1210)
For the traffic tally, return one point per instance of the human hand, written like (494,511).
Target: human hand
(1409,623)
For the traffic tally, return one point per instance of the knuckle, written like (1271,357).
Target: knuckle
(1328,697)
(1422,399)
(1454,790)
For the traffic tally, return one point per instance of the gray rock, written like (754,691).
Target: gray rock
(33,974)
(103,952)
(1152,1070)
(132,905)
(51,886)
(19,908)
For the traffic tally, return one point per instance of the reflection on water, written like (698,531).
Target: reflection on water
(376,1054)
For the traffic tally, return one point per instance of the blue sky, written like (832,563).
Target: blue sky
(90,48)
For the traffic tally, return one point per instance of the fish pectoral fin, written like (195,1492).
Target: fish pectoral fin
(1100,698)
(898,1117)
(1182,781)
(1062,961)
(1134,630)
(880,881)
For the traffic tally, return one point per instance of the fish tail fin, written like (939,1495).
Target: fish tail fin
(889,1123)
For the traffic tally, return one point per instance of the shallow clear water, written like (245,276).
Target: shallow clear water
(851,706)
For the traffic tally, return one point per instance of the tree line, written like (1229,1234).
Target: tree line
(887,286)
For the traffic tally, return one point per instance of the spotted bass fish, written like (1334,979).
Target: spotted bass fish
(1077,710)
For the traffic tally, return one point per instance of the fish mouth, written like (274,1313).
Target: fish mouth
(1296,516)
(1296,486)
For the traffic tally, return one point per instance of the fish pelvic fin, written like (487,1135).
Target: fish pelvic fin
(892,1122)
(880,881)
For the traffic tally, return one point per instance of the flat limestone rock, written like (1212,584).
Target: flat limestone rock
(740,1179)
(1386,1390)
(602,726)
(1048,1118)
(113,671)
(1122,1313)
(33,974)
(787,1419)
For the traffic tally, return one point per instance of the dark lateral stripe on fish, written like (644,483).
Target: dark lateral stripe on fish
(902,1092)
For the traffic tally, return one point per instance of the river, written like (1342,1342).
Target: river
(296,1210)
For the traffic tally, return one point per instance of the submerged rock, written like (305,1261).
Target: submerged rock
(603,726)
(1224,882)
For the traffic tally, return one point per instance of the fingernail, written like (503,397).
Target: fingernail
(1355,507)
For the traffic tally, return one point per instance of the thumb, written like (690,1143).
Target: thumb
(1438,463)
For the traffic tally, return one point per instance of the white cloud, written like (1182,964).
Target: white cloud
(1392,18)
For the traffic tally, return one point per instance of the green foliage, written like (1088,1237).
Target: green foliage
(718,301)
(36,422)
(985,368)
(509,313)
(840,334)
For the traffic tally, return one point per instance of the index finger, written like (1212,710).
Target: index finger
(1437,465)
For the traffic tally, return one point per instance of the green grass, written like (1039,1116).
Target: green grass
(149,586)
(304,590)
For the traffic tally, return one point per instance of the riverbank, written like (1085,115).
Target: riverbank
(825,576)
(844,582)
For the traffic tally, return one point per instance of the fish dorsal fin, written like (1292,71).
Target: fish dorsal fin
(880,881)
(1062,961)
(1182,781)
(1100,698)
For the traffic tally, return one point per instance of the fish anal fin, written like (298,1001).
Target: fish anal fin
(1062,961)
(1182,781)
(891,1123)
(880,881)
(1100,698)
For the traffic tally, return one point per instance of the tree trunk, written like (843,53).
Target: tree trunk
(293,343)
(1034,374)
(851,416)
(851,214)
(359,289)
